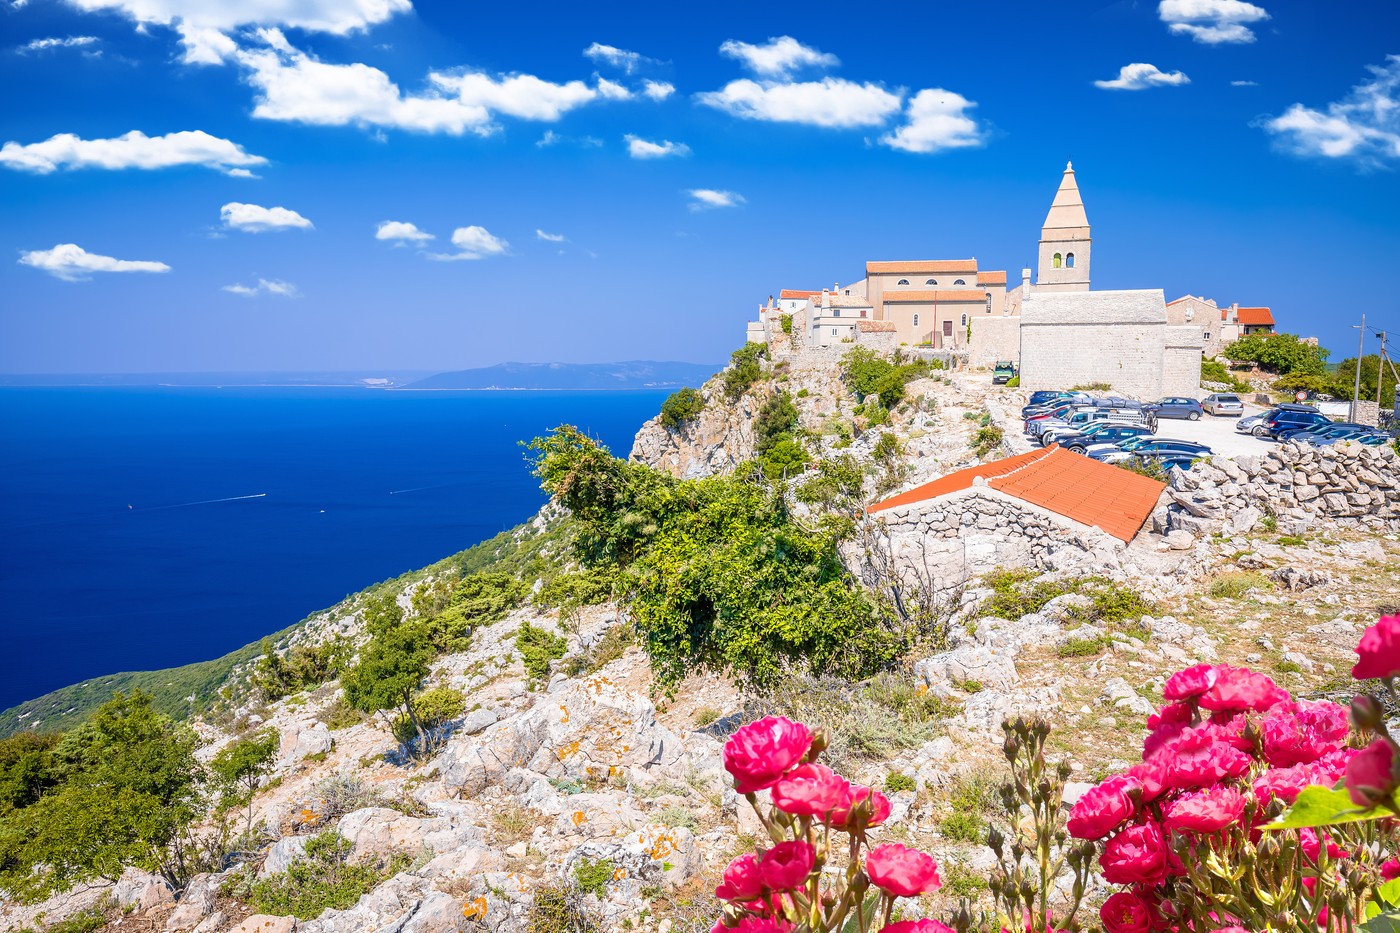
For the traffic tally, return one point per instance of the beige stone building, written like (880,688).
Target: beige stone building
(1219,326)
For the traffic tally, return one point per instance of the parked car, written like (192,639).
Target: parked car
(1003,372)
(1044,399)
(1160,448)
(1223,403)
(1051,432)
(1332,427)
(1247,424)
(1107,433)
(1327,435)
(1277,421)
(1178,406)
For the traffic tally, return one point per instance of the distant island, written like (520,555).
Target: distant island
(371,380)
(631,374)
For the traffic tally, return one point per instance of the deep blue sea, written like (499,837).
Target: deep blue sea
(143,528)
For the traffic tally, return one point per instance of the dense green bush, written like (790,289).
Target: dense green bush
(1282,354)
(867,373)
(321,880)
(392,665)
(776,419)
(744,370)
(1216,371)
(681,406)
(785,322)
(538,650)
(987,439)
(435,707)
(715,573)
(301,668)
(593,876)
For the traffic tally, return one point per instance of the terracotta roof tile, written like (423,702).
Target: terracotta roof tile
(939,294)
(796,293)
(922,265)
(991,278)
(1255,316)
(1089,492)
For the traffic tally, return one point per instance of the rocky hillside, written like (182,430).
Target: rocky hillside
(588,799)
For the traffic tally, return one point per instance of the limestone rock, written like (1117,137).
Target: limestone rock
(283,853)
(266,923)
(478,720)
(139,890)
(1180,540)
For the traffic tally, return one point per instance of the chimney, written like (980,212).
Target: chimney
(1025,281)
(826,298)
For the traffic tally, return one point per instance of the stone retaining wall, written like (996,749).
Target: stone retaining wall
(1299,485)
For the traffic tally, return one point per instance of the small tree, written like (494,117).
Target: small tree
(240,767)
(391,667)
(681,407)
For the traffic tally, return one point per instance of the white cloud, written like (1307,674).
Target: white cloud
(704,199)
(549,237)
(401,231)
(1211,22)
(132,150)
(1364,125)
(1244,84)
(658,90)
(72,263)
(265,287)
(935,120)
(69,42)
(203,25)
(551,138)
(781,56)
(621,59)
(832,102)
(295,87)
(1140,76)
(255,218)
(473,243)
(639,148)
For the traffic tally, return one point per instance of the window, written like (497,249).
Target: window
(902,282)
(1069,260)
(1055,261)
(959,282)
(916,320)
(833,332)
(1207,336)
(862,312)
(964,320)
(836,312)
(931,282)
(989,302)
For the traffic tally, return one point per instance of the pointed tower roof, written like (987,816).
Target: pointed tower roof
(1067,210)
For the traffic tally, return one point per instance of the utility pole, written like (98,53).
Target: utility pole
(1380,370)
(1360,343)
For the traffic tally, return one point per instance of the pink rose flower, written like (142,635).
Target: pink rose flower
(1151,776)
(1311,844)
(761,752)
(1374,773)
(1303,732)
(879,807)
(1230,930)
(1102,809)
(1379,650)
(1197,759)
(1190,683)
(785,867)
(1205,811)
(1390,870)
(742,881)
(902,872)
(1136,855)
(1237,689)
(918,926)
(1330,768)
(1166,725)
(1125,912)
(1285,783)
(761,925)
(811,790)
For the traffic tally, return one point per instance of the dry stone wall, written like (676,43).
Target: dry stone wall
(1299,485)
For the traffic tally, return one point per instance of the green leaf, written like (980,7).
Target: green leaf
(1325,806)
(1389,893)
(1385,923)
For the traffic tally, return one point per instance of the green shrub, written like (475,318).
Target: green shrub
(681,406)
(784,459)
(1076,647)
(706,715)
(961,881)
(1238,584)
(785,322)
(301,668)
(1215,371)
(676,817)
(1092,387)
(436,707)
(986,440)
(870,375)
(744,370)
(322,879)
(963,827)
(1013,383)
(1287,667)
(1291,541)
(611,646)
(574,590)
(775,422)
(896,782)
(802,393)
(1283,354)
(561,909)
(593,877)
(538,649)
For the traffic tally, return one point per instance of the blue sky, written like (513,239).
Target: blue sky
(619,181)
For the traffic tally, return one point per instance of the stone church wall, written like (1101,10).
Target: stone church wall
(993,339)
(1078,338)
(1181,361)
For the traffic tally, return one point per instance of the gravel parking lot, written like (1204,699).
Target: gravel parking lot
(1217,433)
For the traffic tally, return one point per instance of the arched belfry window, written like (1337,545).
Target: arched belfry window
(959,282)
(902,282)
(1056,260)
(931,282)
(1069,260)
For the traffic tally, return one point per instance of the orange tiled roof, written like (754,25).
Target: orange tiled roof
(940,294)
(1255,316)
(795,293)
(922,265)
(876,327)
(991,278)
(1089,492)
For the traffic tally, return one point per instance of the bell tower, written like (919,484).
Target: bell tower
(1064,241)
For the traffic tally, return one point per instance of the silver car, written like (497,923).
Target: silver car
(1223,403)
